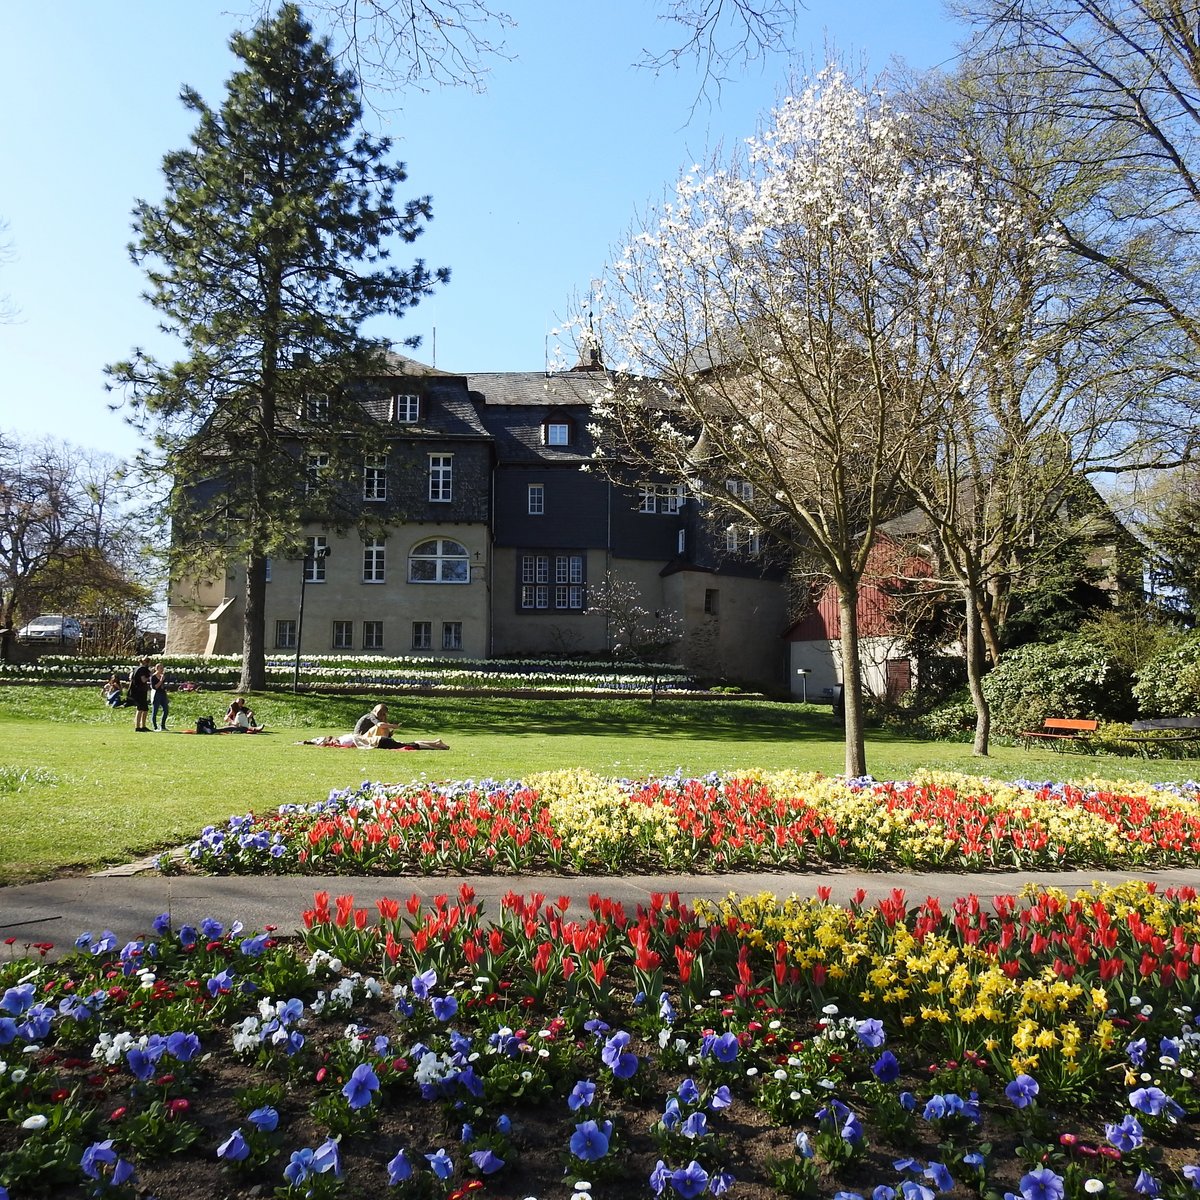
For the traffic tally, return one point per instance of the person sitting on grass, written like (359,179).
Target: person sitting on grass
(368,721)
(240,719)
(111,691)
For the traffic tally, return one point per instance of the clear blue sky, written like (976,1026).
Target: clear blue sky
(533,182)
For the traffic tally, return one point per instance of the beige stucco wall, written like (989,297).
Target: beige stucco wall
(343,596)
(541,634)
(742,641)
(189,604)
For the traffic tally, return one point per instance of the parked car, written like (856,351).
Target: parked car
(51,629)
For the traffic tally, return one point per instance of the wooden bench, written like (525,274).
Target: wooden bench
(1060,731)
(1170,735)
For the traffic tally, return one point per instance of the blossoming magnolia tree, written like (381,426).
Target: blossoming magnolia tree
(786,318)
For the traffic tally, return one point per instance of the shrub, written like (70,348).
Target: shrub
(1068,678)
(1169,684)
(953,720)
(1115,737)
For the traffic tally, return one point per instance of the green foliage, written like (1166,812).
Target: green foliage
(1130,635)
(1169,684)
(1172,533)
(1068,678)
(1116,737)
(953,720)
(13,780)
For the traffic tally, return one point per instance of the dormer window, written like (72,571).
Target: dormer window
(556,433)
(315,406)
(406,409)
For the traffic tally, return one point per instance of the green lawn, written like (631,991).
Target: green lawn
(79,789)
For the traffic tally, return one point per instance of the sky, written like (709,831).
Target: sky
(534,182)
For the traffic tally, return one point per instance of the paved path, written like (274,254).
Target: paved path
(127,900)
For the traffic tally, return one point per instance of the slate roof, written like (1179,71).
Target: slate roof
(539,387)
(515,405)
(448,410)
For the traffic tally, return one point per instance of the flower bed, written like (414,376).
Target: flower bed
(367,673)
(1045,1047)
(573,820)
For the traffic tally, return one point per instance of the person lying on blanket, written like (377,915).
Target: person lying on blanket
(378,738)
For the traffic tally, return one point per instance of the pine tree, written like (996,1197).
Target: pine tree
(265,257)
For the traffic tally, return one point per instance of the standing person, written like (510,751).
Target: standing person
(139,694)
(158,686)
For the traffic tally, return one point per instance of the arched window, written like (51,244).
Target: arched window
(439,560)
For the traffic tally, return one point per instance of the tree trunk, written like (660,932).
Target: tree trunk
(254,666)
(7,612)
(975,664)
(852,697)
(989,608)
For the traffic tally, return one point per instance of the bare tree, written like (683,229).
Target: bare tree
(723,37)
(1052,369)
(635,632)
(788,307)
(67,540)
(397,44)
(1126,73)
(394,44)
(8,311)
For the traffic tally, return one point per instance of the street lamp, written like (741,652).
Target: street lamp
(315,554)
(804,673)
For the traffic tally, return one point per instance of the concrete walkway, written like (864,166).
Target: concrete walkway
(126,900)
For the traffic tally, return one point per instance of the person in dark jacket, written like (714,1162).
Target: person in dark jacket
(139,694)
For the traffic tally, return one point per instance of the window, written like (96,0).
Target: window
(343,635)
(740,488)
(439,560)
(316,406)
(712,602)
(375,477)
(372,635)
(672,498)
(406,410)
(451,635)
(422,635)
(267,570)
(741,539)
(285,635)
(557,433)
(314,468)
(551,582)
(315,551)
(537,499)
(647,498)
(374,561)
(441,477)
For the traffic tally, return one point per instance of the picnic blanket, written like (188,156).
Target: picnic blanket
(359,743)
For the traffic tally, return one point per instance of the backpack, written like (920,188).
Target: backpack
(205,725)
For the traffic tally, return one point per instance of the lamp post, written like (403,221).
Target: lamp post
(316,554)
(804,673)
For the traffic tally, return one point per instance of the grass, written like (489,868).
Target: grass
(79,790)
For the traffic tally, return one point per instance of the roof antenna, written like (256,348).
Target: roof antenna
(434,363)
(546,355)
